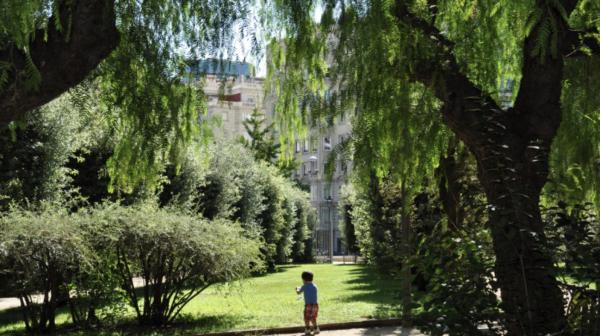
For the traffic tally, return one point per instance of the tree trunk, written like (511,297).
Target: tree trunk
(63,58)
(450,170)
(406,254)
(512,148)
(524,269)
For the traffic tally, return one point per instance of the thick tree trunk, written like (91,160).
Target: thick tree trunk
(509,172)
(512,149)
(64,58)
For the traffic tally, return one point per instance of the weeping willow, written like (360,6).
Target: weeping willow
(357,48)
(493,70)
(575,160)
(144,83)
(355,60)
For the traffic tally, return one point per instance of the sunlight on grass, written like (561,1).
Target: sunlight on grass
(346,293)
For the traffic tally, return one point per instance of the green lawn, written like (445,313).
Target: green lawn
(346,293)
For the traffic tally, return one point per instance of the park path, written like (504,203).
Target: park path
(383,331)
(13,302)
(7,303)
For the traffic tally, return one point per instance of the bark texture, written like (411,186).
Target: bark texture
(63,59)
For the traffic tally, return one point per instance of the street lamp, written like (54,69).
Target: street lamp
(329,203)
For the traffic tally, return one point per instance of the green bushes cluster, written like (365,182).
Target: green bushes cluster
(452,275)
(88,260)
(226,181)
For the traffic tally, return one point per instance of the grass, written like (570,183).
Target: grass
(346,293)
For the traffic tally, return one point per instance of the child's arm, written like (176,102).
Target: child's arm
(299,290)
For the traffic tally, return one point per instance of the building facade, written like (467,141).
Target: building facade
(232,94)
(313,154)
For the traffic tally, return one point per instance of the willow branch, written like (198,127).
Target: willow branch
(464,102)
(576,41)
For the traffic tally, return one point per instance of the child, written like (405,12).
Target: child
(311,305)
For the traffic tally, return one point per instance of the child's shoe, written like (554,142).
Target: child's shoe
(317,331)
(307,332)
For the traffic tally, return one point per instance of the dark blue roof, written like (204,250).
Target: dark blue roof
(221,68)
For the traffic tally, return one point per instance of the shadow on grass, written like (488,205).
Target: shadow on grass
(11,316)
(371,286)
(184,325)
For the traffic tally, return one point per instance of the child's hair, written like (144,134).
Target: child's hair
(307,276)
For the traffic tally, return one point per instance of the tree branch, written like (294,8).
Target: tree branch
(576,40)
(569,5)
(463,100)
(64,59)
(433,9)
(538,99)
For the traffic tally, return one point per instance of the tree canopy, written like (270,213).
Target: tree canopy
(502,76)
(134,51)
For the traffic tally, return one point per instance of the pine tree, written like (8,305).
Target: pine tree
(263,144)
(262,141)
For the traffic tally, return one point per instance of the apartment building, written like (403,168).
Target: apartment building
(233,93)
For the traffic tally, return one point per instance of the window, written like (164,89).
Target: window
(304,169)
(297,147)
(327,191)
(305,145)
(327,143)
(314,144)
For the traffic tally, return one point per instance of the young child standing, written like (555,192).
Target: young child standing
(311,305)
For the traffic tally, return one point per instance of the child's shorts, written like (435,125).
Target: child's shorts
(311,312)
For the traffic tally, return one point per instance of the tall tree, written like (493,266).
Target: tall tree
(463,52)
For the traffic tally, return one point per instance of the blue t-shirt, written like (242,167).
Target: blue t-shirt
(310,293)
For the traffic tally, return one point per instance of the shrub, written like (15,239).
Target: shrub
(302,248)
(41,252)
(177,255)
(460,292)
(96,294)
(348,199)
(573,232)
